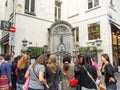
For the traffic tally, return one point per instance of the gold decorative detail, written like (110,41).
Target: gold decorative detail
(19,8)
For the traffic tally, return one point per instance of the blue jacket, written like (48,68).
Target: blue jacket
(6,70)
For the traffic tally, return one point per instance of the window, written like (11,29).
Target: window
(30,7)
(111,2)
(94,31)
(76,34)
(93,3)
(6,3)
(57,10)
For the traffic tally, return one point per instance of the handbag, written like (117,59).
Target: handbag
(56,86)
(72,82)
(4,84)
(102,86)
(53,85)
(26,84)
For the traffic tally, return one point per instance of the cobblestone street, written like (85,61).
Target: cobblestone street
(117,75)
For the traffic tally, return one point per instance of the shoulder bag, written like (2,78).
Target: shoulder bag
(73,82)
(26,84)
(55,85)
(35,74)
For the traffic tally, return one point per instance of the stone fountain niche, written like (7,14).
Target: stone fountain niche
(61,37)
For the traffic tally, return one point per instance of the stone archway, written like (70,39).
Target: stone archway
(61,37)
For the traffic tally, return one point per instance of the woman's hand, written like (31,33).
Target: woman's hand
(10,84)
(102,70)
(47,86)
(111,79)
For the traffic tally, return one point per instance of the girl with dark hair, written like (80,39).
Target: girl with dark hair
(14,77)
(36,72)
(78,64)
(108,71)
(84,79)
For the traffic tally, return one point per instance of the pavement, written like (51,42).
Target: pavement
(117,75)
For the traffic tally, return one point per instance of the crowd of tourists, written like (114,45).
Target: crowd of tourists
(46,74)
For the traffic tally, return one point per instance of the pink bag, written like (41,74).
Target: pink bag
(26,84)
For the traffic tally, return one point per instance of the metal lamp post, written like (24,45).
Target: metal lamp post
(75,52)
(99,49)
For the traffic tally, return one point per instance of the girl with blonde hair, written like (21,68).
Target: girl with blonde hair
(53,73)
(52,63)
(22,66)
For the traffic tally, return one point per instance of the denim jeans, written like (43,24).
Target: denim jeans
(112,87)
(78,87)
(35,89)
(19,86)
(83,88)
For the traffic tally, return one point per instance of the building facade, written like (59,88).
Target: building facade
(94,19)
(91,20)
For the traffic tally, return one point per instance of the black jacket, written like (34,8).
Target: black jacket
(109,72)
(21,75)
(84,78)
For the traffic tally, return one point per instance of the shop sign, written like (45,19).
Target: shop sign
(12,29)
(11,38)
(5,25)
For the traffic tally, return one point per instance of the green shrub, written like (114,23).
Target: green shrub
(34,52)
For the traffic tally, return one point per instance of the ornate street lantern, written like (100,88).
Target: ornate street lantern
(98,42)
(25,42)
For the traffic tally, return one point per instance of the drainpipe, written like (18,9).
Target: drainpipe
(12,18)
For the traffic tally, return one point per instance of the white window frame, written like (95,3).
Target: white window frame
(29,7)
(89,33)
(76,34)
(93,3)
(58,14)
(111,3)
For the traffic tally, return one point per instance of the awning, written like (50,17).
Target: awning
(114,25)
(5,39)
